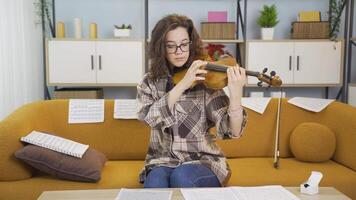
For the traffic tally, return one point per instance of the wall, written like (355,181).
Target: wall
(106,13)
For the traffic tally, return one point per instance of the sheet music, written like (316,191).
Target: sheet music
(258,104)
(125,109)
(311,104)
(208,194)
(56,143)
(86,111)
(142,194)
(272,192)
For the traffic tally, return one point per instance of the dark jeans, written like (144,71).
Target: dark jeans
(190,175)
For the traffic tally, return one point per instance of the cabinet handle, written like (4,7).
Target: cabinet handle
(290,63)
(99,62)
(92,62)
(298,63)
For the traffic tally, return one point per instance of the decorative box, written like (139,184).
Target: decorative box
(78,93)
(217,16)
(218,30)
(310,30)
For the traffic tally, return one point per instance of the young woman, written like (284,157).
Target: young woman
(181,152)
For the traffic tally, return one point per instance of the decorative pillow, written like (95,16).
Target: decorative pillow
(87,169)
(312,142)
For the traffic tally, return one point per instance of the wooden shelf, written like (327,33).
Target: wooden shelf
(223,41)
(97,39)
(217,41)
(294,40)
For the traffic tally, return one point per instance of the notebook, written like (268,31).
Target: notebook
(56,143)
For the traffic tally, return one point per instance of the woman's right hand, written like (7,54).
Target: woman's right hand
(193,73)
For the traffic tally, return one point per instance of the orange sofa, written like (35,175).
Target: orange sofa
(124,142)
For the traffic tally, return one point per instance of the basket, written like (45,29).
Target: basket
(218,30)
(310,30)
(78,93)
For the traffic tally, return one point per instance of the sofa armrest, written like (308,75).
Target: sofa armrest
(341,118)
(12,128)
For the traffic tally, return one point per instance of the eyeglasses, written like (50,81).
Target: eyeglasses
(172,48)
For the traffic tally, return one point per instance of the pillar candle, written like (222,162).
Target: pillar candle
(77,28)
(60,33)
(93,31)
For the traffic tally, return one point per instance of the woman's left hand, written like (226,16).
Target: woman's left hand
(236,81)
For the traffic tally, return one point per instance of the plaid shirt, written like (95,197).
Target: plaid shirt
(180,135)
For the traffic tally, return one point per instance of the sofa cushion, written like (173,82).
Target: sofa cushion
(312,142)
(87,169)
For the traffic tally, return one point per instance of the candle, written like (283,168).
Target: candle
(92,31)
(60,33)
(77,28)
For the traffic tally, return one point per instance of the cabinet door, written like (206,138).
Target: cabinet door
(71,62)
(276,56)
(120,62)
(317,62)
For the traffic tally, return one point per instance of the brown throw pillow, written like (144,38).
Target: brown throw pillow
(312,142)
(87,169)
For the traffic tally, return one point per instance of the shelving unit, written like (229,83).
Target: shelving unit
(350,41)
(240,42)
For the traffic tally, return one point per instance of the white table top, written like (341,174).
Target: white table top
(325,193)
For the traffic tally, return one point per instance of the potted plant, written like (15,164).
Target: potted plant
(267,21)
(123,31)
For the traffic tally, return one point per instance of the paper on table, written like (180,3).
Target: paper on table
(258,104)
(125,109)
(143,194)
(271,192)
(208,194)
(86,111)
(311,104)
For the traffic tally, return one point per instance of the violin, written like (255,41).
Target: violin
(216,78)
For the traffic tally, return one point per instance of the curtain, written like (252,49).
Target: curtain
(21,55)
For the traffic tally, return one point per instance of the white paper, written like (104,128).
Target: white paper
(278,94)
(256,94)
(258,104)
(86,111)
(311,104)
(208,194)
(125,109)
(143,194)
(272,192)
(56,143)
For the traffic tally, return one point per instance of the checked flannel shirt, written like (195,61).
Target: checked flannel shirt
(180,135)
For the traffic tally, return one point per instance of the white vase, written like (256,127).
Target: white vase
(267,33)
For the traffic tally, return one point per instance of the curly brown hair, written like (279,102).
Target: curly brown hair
(160,67)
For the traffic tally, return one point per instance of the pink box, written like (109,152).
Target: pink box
(217,16)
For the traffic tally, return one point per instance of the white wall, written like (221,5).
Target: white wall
(21,67)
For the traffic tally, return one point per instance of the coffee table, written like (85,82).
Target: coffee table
(325,193)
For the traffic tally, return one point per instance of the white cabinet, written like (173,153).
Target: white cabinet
(297,63)
(95,63)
